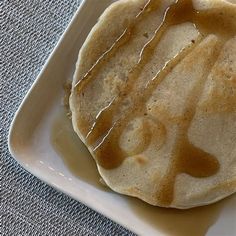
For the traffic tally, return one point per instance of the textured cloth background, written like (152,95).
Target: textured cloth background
(29,30)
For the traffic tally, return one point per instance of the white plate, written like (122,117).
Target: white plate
(42,141)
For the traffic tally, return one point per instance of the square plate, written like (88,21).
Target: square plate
(42,140)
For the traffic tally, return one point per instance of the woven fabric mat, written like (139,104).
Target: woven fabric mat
(29,31)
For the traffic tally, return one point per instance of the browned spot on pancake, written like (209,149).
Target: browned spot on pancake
(133,191)
(141,159)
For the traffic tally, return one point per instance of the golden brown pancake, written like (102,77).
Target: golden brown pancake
(154,100)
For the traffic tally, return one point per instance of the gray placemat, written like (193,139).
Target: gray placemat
(29,30)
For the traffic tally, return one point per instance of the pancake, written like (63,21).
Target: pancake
(154,100)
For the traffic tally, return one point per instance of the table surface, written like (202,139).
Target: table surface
(29,31)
